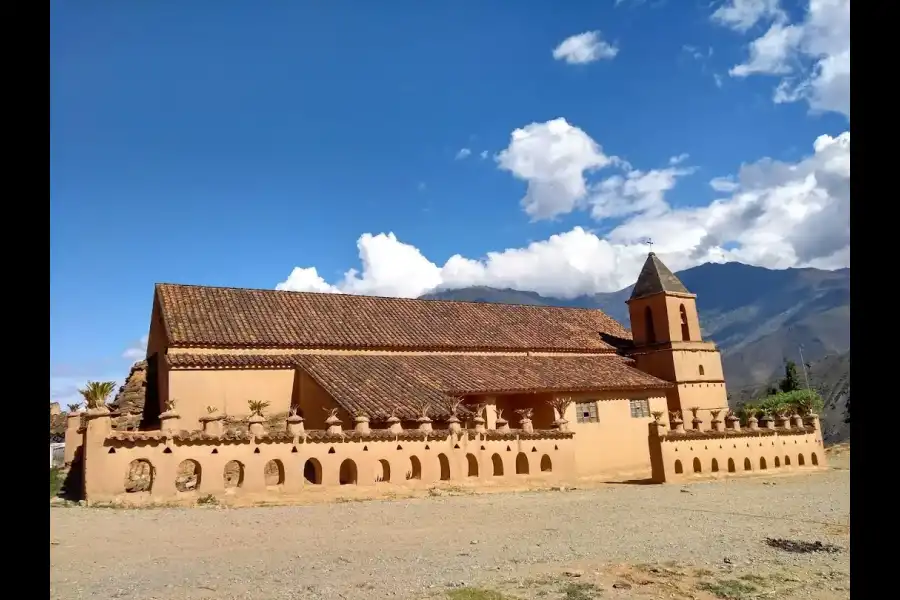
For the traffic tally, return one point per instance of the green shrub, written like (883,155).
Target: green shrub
(56,481)
(803,402)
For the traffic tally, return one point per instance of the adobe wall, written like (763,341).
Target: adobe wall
(616,444)
(679,456)
(382,458)
(228,390)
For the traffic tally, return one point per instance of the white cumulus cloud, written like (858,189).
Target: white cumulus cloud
(463,153)
(741,15)
(811,57)
(138,351)
(584,48)
(772,214)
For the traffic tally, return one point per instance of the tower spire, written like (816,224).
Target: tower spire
(656,278)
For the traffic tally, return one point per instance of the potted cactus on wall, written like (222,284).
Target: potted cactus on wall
(696,422)
(525,419)
(294,421)
(560,404)
(452,406)
(716,423)
(333,422)
(502,424)
(394,424)
(256,420)
(676,421)
(424,420)
(477,418)
(361,423)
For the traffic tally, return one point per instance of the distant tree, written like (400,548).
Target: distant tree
(791,381)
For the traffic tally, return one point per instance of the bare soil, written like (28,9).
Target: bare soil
(703,540)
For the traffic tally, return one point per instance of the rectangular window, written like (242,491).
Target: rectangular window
(640,408)
(586,412)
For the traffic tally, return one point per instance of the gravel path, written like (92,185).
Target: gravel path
(423,547)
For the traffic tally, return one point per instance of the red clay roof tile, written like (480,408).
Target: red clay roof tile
(199,316)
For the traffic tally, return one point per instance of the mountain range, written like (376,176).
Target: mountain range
(758,317)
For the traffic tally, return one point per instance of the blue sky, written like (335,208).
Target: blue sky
(245,144)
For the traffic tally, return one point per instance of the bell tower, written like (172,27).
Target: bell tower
(668,343)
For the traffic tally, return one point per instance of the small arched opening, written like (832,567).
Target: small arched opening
(233,474)
(777,462)
(748,466)
(445,467)
(187,479)
(521,464)
(814,459)
(497,463)
(698,468)
(139,477)
(762,464)
(312,471)
(685,330)
(701,370)
(415,468)
(731,467)
(546,465)
(787,461)
(649,328)
(274,472)
(472,464)
(383,470)
(347,474)
(678,468)
(715,466)
(800,460)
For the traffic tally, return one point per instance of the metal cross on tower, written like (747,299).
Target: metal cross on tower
(649,243)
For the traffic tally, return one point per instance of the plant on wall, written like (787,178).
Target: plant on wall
(75,407)
(715,413)
(257,407)
(477,409)
(560,404)
(424,406)
(657,415)
(675,415)
(95,393)
(452,405)
(210,410)
(525,413)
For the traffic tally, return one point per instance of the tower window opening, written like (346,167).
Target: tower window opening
(685,330)
(648,326)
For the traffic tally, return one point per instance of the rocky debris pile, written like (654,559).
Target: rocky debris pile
(128,405)
(139,477)
(188,476)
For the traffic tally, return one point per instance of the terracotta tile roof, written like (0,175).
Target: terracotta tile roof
(232,361)
(376,384)
(198,316)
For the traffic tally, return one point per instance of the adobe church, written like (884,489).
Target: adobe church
(304,389)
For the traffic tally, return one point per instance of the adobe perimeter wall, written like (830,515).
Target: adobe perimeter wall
(281,463)
(679,456)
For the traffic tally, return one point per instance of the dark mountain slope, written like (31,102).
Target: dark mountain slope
(757,316)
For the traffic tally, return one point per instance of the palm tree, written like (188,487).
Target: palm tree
(95,393)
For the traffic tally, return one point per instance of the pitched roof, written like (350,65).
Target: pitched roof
(656,278)
(376,384)
(199,316)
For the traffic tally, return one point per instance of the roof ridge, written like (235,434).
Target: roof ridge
(341,294)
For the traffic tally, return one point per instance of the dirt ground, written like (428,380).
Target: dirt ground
(708,539)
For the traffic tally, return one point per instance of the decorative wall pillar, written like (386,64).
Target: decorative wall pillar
(394,424)
(767,422)
(98,426)
(333,423)
(752,423)
(256,426)
(295,425)
(169,421)
(812,420)
(361,424)
(732,422)
(502,424)
(73,438)
(783,421)
(453,424)
(798,421)
(213,425)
